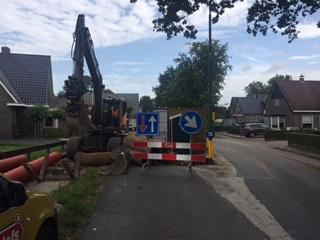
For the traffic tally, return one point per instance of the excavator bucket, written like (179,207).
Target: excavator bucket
(78,119)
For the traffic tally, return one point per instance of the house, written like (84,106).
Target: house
(294,105)
(25,80)
(246,109)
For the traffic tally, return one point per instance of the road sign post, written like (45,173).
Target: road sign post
(190,123)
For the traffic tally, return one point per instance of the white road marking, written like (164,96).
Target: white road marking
(232,187)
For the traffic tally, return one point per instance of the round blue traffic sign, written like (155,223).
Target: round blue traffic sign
(190,122)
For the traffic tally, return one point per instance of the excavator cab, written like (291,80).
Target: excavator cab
(115,114)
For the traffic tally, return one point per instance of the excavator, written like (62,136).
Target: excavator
(101,125)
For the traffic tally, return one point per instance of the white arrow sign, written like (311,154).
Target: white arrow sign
(152,120)
(191,122)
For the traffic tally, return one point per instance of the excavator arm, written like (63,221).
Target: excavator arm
(77,111)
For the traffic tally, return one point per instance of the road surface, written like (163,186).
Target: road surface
(166,205)
(290,190)
(256,192)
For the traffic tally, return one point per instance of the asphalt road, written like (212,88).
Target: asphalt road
(289,189)
(166,205)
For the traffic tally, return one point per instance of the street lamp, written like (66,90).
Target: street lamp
(210,130)
(210,71)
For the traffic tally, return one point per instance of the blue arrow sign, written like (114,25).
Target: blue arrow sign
(148,124)
(190,122)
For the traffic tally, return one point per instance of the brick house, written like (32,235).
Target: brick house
(247,109)
(25,80)
(294,105)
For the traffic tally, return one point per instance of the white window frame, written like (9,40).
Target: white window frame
(312,120)
(55,123)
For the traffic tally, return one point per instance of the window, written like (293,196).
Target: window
(277,102)
(307,121)
(50,122)
(274,122)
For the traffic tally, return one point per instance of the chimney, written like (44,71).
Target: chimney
(301,78)
(5,50)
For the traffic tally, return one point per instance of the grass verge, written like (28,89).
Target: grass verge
(11,147)
(34,155)
(78,200)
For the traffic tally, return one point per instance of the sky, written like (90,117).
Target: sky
(131,55)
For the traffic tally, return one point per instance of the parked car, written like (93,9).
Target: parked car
(25,214)
(254,129)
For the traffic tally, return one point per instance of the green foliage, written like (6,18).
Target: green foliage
(186,84)
(279,16)
(58,133)
(146,104)
(174,15)
(78,201)
(272,135)
(87,86)
(257,87)
(37,112)
(306,141)
(61,93)
(231,129)
(263,15)
(59,113)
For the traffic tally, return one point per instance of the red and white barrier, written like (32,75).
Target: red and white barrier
(171,156)
(172,145)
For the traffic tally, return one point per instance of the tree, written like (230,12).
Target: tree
(59,113)
(87,82)
(277,77)
(280,16)
(37,113)
(186,85)
(263,15)
(256,88)
(146,104)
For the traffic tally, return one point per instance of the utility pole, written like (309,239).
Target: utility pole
(210,71)
(210,130)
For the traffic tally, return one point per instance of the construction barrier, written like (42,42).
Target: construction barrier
(170,146)
(10,163)
(23,175)
(171,156)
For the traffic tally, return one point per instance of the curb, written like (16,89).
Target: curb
(316,158)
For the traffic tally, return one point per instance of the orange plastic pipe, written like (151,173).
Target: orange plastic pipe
(11,163)
(22,175)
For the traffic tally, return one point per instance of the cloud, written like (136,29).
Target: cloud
(308,30)
(275,67)
(131,63)
(46,27)
(142,84)
(246,67)
(231,18)
(304,57)
(314,62)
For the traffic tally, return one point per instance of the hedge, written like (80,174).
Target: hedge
(58,132)
(305,141)
(274,135)
(232,130)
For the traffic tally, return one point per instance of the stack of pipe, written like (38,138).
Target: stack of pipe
(19,173)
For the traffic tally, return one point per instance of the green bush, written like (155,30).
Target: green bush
(232,129)
(58,133)
(306,141)
(274,135)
